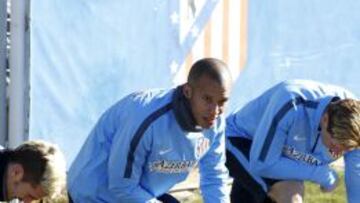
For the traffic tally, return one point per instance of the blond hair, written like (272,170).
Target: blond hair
(44,165)
(344,122)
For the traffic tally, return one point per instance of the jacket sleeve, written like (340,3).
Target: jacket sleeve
(352,175)
(266,152)
(213,172)
(126,162)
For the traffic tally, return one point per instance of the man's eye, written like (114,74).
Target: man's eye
(207,99)
(222,103)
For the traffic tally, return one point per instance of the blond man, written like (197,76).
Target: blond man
(291,133)
(32,171)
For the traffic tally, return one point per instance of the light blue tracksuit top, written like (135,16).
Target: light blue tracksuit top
(284,124)
(144,145)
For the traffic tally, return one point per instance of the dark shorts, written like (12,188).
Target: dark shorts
(167,198)
(245,188)
(69,197)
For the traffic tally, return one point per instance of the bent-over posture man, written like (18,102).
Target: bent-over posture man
(291,133)
(32,171)
(149,141)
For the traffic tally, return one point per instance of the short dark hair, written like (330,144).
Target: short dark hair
(212,67)
(43,164)
(32,160)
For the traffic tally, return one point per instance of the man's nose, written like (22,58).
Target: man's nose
(214,109)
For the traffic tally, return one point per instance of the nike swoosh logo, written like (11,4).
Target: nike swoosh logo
(162,152)
(299,138)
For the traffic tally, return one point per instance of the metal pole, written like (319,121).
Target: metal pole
(3,117)
(17,90)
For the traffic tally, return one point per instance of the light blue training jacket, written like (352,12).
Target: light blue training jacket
(145,144)
(284,125)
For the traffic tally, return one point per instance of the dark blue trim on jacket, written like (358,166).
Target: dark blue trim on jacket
(279,115)
(138,135)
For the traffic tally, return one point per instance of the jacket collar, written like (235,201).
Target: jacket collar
(182,111)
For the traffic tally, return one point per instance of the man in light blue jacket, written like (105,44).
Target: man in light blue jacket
(289,134)
(149,141)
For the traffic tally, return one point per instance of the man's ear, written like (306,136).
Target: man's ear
(16,171)
(187,91)
(325,120)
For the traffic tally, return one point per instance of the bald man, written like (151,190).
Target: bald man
(149,141)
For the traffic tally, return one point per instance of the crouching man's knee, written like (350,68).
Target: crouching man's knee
(287,191)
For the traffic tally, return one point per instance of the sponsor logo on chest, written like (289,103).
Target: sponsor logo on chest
(171,166)
(292,153)
(201,146)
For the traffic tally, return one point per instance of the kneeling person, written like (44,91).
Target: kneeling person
(289,134)
(32,171)
(150,140)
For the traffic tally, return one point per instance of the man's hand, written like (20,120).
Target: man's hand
(332,183)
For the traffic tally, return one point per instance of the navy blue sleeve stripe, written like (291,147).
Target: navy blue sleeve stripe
(279,115)
(138,135)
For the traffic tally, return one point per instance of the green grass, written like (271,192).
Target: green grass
(312,194)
